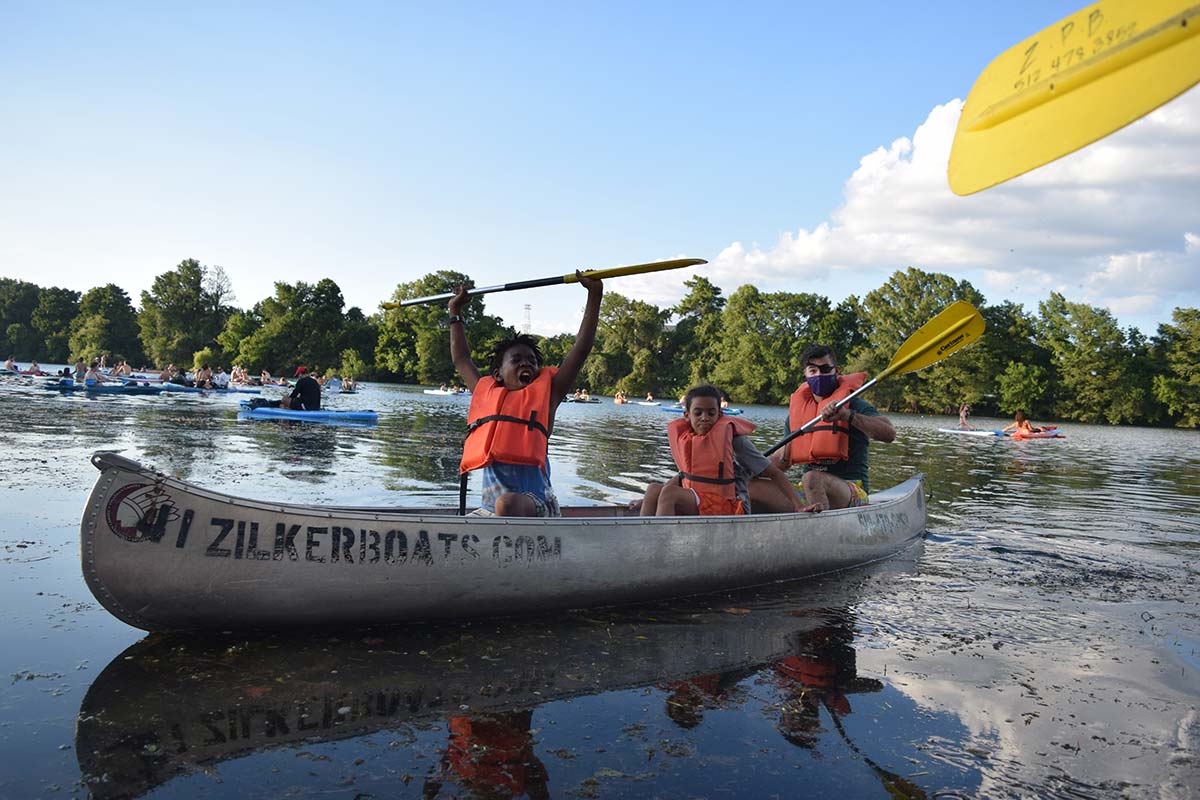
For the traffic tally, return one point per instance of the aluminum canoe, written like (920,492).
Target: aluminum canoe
(162,554)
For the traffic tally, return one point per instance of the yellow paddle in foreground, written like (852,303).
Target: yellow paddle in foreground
(614,272)
(1071,84)
(959,324)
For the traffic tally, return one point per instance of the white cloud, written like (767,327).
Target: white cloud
(1114,224)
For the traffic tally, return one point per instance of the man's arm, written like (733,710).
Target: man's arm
(460,350)
(584,340)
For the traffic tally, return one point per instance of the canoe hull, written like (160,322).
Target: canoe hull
(161,554)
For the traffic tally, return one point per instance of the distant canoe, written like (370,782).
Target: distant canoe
(159,553)
(648,403)
(443,392)
(963,432)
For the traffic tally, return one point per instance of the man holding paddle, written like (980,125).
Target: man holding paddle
(834,450)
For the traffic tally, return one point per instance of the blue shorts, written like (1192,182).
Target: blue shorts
(523,479)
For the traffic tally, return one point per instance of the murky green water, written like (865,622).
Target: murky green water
(1043,641)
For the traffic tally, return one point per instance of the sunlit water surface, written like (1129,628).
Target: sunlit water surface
(1042,641)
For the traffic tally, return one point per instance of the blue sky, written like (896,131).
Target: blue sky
(376,142)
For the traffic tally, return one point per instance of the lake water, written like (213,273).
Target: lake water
(1041,642)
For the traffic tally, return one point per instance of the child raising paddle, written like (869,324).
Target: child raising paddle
(716,460)
(512,412)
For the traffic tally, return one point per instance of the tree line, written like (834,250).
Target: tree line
(1067,361)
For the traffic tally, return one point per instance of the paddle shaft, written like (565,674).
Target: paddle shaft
(615,272)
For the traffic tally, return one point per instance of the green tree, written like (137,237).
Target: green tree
(1092,361)
(1179,347)
(891,314)
(1022,387)
(56,309)
(18,301)
(843,329)
(302,325)
(240,326)
(206,355)
(629,341)
(106,325)
(184,311)
(696,340)
(763,338)
(414,344)
(353,365)
(555,348)
(1011,338)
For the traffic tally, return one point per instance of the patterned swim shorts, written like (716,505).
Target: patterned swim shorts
(858,495)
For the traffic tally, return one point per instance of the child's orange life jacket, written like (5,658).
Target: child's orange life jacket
(706,462)
(508,426)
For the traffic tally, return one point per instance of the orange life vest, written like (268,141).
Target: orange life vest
(825,442)
(508,426)
(706,462)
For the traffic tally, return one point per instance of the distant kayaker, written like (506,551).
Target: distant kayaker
(716,461)
(649,397)
(964,411)
(306,394)
(11,364)
(80,369)
(834,452)
(220,379)
(512,410)
(1021,424)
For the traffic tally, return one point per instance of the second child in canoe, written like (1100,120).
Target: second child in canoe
(716,461)
(512,410)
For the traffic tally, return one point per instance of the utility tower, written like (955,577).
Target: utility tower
(527,323)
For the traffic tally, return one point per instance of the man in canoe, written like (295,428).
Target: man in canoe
(834,451)
(512,410)
(716,460)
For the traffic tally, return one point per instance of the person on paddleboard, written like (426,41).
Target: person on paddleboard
(1021,424)
(716,461)
(833,452)
(964,411)
(512,410)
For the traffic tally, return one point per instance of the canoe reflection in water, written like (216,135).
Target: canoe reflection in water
(168,706)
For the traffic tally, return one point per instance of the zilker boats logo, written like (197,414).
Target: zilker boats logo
(140,511)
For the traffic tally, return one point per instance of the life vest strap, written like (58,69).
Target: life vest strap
(720,480)
(834,427)
(462,494)
(531,423)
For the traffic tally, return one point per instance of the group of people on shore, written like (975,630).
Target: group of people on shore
(512,411)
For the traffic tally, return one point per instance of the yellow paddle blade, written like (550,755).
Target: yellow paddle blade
(1071,84)
(959,324)
(636,269)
